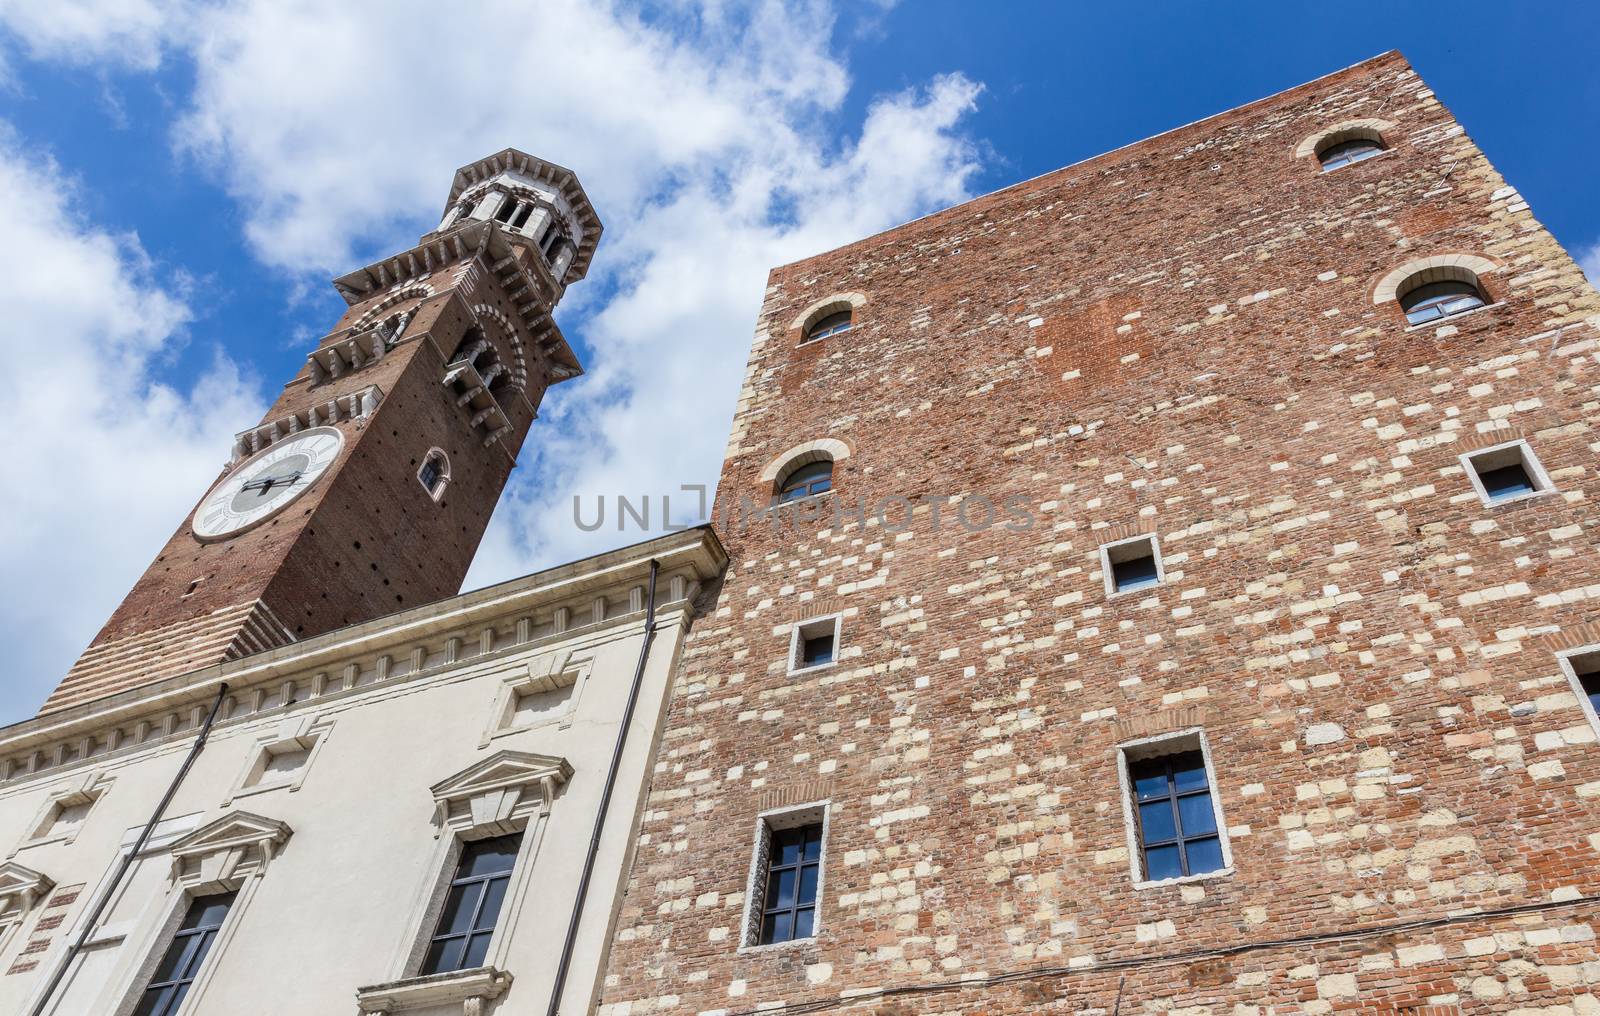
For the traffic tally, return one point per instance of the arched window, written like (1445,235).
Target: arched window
(434,473)
(805,481)
(1343,153)
(1432,301)
(830,324)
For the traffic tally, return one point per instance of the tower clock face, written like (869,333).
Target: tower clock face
(260,487)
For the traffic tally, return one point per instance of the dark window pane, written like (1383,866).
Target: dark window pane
(813,842)
(477,949)
(456,916)
(208,911)
(1590,683)
(1160,863)
(1147,785)
(808,884)
(813,478)
(817,650)
(489,857)
(786,845)
(1135,574)
(1204,855)
(802,923)
(780,889)
(493,896)
(1196,815)
(1440,299)
(177,959)
(776,928)
(833,324)
(443,954)
(1506,481)
(155,1002)
(1155,821)
(1189,772)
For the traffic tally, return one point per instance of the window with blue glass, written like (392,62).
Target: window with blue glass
(1587,670)
(831,324)
(472,905)
(806,481)
(1434,301)
(1507,472)
(815,643)
(1132,564)
(181,963)
(1177,818)
(1346,152)
(794,868)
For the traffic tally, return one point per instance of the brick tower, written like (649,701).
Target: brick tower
(1183,601)
(369,483)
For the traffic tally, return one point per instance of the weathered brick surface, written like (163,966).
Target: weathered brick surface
(1178,338)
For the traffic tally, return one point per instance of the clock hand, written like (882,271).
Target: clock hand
(266,483)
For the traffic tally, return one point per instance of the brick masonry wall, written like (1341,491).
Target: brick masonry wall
(1178,338)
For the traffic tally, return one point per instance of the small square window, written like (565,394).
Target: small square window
(1175,826)
(1131,565)
(1505,473)
(814,644)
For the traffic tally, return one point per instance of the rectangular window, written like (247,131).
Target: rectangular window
(814,644)
(789,905)
(472,905)
(1132,564)
(1507,472)
(190,944)
(1178,833)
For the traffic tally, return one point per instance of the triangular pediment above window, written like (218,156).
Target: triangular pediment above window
(497,795)
(219,855)
(19,888)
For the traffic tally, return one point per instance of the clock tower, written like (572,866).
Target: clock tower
(369,483)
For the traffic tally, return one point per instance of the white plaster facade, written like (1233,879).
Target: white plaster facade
(334,793)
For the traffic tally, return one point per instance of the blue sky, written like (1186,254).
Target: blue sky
(179,178)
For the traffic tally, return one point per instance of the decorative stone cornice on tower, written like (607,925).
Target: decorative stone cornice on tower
(521,163)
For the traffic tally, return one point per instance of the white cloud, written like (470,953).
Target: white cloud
(711,137)
(124,32)
(103,460)
(1589,261)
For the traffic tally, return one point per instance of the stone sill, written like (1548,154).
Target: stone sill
(463,986)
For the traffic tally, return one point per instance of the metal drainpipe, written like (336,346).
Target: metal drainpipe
(128,858)
(605,796)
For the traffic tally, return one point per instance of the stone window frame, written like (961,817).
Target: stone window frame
(309,733)
(1107,549)
(796,634)
(1565,657)
(229,854)
(88,788)
(437,491)
(772,820)
(1169,743)
(1460,267)
(781,465)
(507,792)
(545,673)
(1542,484)
(1365,129)
(21,889)
(819,309)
